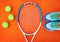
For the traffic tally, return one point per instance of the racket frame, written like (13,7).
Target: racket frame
(25,34)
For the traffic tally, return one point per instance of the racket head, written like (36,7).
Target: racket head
(29,17)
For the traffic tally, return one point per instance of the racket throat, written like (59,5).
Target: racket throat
(29,38)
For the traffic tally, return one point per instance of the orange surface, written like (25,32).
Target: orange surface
(13,34)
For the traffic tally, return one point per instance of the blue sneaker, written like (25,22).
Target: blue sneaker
(53,16)
(52,25)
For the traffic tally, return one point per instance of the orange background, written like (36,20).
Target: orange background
(13,34)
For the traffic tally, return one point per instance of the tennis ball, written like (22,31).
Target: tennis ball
(5,24)
(8,8)
(11,17)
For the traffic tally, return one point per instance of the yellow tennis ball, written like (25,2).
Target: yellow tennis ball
(11,17)
(5,24)
(8,8)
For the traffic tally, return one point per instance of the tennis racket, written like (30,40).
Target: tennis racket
(18,20)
